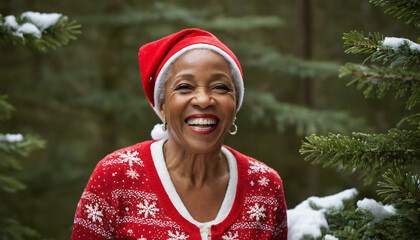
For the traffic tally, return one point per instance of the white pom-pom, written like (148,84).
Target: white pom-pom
(157,132)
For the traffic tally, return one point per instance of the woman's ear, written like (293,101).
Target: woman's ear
(162,109)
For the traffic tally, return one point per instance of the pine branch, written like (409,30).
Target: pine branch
(352,222)
(377,81)
(408,10)
(413,119)
(402,190)
(370,152)
(14,146)
(359,44)
(13,230)
(274,62)
(38,30)
(246,23)
(348,223)
(393,52)
(6,108)
(175,14)
(10,184)
(265,108)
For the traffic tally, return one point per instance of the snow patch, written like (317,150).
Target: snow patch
(11,137)
(42,20)
(11,21)
(330,237)
(395,42)
(333,201)
(303,219)
(29,28)
(38,22)
(378,211)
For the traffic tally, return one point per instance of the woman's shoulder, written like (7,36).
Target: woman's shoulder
(120,169)
(255,169)
(132,154)
(141,147)
(262,183)
(124,161)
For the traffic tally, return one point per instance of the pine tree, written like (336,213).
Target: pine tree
(39,31)
(391,159)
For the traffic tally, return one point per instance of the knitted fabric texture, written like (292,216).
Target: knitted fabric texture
(125,199)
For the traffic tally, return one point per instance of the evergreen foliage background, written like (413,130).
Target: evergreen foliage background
(85,99)
(392,65)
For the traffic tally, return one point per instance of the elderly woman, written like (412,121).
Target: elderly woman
(185,184)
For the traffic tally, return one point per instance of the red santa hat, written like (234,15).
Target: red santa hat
(155,59)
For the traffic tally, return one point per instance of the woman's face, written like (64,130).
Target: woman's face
(199,103)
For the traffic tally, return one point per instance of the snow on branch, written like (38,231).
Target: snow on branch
(399,70)
(378,210)
(396,42)
(391,51)
(11,137)
(35,25)
(333,217)
(308,217)
(39,30)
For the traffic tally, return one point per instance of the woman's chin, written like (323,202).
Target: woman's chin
(201,143)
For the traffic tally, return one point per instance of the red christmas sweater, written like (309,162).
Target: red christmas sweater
(127,198)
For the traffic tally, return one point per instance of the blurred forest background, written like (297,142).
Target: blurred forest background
(85,99)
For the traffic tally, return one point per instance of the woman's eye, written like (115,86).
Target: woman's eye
(222,87)
(183,87)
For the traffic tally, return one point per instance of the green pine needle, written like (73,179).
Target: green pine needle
(366,152)
(408,10)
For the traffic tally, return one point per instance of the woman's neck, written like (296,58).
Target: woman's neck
(195,168)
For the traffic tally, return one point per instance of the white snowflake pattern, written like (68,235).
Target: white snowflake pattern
(141,238)
(257,167)
(263,181)
(176,236)
(256,212)
(94,213)
(146,209)
(130,157)
(230,236)
(252,183)
(132,173)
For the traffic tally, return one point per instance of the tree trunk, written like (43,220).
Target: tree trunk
(308,86)
(111,69)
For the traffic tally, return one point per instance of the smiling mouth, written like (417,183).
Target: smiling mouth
(202,125)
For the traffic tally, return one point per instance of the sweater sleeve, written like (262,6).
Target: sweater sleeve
(95,216)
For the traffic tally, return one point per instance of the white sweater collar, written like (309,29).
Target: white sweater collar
(159,161)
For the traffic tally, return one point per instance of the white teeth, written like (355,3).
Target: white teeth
(201,128)
(201,121)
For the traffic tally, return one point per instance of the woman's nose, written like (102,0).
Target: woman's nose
(202,98)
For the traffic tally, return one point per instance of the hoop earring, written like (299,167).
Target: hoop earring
(164,126)
(235,128)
